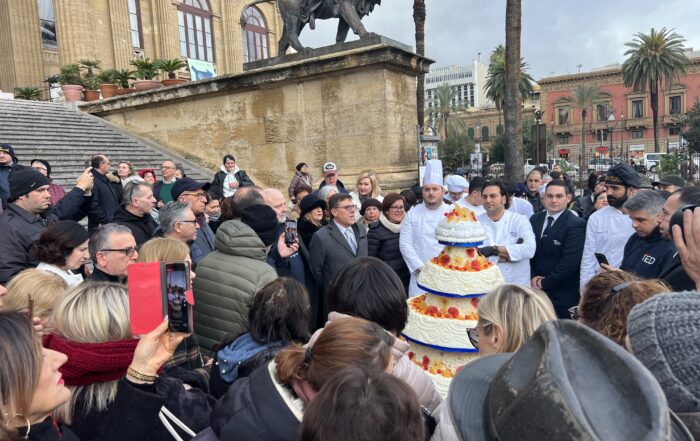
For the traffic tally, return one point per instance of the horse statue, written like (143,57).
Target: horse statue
(298,13)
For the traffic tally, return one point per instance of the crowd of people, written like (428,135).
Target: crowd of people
(300,300)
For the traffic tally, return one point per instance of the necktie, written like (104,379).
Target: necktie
(350,236)
(550,221)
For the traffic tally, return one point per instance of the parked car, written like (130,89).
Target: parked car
(529,165)
(651,160)
(600,164)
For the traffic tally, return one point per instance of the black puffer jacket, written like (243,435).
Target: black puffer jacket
(383,243)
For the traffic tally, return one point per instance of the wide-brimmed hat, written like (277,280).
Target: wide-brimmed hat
(567,382)
(310,202)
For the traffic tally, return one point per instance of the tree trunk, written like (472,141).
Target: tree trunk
(654,92)
(512,108)
(583,142)
(419,20)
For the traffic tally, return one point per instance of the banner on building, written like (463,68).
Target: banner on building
(201,70)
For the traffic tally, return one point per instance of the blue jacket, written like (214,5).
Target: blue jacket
(558,258)
(647,256)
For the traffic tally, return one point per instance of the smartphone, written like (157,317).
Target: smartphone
(601,259)
(290,232)
(175,304)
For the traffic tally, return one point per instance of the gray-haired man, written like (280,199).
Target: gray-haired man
(178,222)
(112,249)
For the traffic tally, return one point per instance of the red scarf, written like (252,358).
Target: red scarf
(90,363)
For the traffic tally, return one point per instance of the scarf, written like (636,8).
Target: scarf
(90,363)
(231,357)
(389,225)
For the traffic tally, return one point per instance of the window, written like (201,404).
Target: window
(563,139)
(135,23)
(602,112)
(255,35)
(47,24)
(674,131)
(194,24)
(674,105)
(471,94)
(637,133)
(470,133)
(638,109)
(485,133)
(563,115)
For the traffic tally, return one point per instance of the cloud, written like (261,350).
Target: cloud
(556,35)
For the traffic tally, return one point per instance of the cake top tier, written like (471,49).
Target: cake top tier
(460,227)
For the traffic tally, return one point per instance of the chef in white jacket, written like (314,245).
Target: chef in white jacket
(417,241)
(509,236)
(610,227)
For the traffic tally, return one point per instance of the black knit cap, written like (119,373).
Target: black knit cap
(263,220)
(300,165)
(45,163)
(623,174)
(24,180)
(371,202)
(310,202)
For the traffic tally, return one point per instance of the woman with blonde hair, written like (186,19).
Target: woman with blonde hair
(508,316)
(608,298)
(40,288)
(92,328)
(366,187)
(33,386)
(270,403)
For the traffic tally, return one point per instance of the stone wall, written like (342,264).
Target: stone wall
(354,105)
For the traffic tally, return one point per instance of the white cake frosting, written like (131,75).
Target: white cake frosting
(438,331)
(460,226)
(442,279)
(438,359)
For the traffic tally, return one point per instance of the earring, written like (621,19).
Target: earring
(29,425)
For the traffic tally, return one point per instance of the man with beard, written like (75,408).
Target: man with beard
(646,252)
(609,228)
(417,240)
(673,273)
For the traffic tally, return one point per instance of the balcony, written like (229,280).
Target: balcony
(670,120)
(632,123)
(563,129)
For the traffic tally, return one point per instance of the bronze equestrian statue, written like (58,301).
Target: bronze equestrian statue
(297,13)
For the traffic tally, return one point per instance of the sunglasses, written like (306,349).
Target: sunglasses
(574,314)
(473,334)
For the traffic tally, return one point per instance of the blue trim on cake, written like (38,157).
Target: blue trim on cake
(439,348)
(449,294)
(461,244)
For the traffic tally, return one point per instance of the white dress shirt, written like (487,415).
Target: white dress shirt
(417,240)
(555,216)
(506,232)
(607,233)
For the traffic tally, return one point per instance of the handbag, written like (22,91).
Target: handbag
(166,417)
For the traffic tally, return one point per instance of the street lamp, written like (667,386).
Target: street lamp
(611,123)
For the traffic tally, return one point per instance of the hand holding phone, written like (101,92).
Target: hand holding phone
(601,259)
(290,232)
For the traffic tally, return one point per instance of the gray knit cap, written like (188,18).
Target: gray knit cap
(664,333)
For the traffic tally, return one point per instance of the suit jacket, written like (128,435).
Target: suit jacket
(329,251)
(106,199)
(558,258)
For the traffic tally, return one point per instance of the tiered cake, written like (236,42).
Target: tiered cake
(453,282)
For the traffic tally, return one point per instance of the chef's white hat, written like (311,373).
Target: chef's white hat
(433,172)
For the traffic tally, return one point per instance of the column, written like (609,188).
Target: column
(121,34)
(75,29)
(233,47)
(165,23)
(22,62)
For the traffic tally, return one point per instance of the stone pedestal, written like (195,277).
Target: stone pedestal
(353,104)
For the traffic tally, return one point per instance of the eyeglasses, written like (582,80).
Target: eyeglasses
(128,251)
(165,167)
(473,335)
(193,222)
(574,314)
(197,195)
(348,207)
(39,168)
(397,208)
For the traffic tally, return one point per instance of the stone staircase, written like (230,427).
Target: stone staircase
(68,138)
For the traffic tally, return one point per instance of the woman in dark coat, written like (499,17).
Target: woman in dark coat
(310,217)
(229,179)
(383,236)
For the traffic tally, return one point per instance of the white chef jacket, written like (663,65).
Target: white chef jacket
(417,240)
(521,206)
(476,209)
(506,232)
(607,233)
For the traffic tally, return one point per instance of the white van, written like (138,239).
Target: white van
(651,160)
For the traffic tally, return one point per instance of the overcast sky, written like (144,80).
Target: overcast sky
(557,35)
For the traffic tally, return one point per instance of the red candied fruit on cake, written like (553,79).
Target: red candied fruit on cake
(475,302)
(452,311)
(444,259)
(430,310)
(410,355)
(475,265)
(471,252)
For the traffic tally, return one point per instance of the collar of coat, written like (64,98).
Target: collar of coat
(389,225)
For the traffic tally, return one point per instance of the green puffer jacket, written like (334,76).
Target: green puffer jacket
(227,280)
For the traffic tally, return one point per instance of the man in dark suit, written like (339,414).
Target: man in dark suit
(106,194)
(560,237)
(336,244)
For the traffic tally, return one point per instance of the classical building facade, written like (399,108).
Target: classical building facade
(39,36)
(619,114)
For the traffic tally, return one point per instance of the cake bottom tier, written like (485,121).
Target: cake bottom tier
(440,366)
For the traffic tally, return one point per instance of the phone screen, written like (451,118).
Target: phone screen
(177,282)
(290,232)
(601,259)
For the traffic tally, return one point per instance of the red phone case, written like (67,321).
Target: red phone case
(146,306)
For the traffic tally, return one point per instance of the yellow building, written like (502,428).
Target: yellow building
(39,36)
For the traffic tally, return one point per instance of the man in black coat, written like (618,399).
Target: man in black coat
(8,161)
(30,212)
(560,237)
(105,194)
(336,244)
(673,273)
(135,212)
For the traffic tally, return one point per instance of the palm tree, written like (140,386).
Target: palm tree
(496,82)
(419,20)
(512,100)
(443,112)
(584,96)
(654,58)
